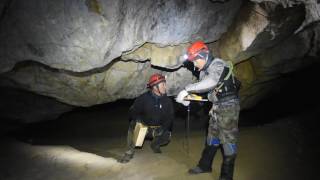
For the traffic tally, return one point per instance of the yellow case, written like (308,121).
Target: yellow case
(139,134)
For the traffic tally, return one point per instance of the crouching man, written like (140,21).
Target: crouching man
(153,110)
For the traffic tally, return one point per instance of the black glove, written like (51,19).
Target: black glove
(157,132)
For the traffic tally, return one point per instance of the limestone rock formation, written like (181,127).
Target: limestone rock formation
(83,35)
(90,52)
(117,81)
(261,73)
(259,27)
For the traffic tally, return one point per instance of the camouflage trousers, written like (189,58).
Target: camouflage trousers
(223,123)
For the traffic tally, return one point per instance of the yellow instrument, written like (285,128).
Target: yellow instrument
(194,97)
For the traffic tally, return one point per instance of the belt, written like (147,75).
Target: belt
(154,126)
(227,98)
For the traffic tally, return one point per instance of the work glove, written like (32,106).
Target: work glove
(180,98)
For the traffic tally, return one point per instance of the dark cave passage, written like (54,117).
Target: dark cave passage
(298,95)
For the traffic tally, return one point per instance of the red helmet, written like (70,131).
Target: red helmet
(156,79)
(194,50)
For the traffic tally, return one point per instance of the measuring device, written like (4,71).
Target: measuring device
(194,97)
(191,97)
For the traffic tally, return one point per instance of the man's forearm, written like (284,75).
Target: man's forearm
(203,86)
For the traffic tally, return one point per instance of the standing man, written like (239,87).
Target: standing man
(217,79)
(153,109)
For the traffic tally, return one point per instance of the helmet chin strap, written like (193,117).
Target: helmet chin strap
(209,59)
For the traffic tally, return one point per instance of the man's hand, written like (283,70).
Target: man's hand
(157,132)
(180,98)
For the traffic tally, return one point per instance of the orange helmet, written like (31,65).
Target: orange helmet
(195,49)
(156,79)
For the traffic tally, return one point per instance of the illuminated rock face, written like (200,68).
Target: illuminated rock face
(90,52)
(117,81)
(259,27)
(261,64)
(83,35)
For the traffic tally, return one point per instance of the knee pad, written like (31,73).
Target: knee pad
(230,149)
(213,141)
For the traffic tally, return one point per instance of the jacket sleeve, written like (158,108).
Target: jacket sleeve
(136,109)
(209,81)
(169,116)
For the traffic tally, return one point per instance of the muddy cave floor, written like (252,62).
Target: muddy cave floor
(85,144)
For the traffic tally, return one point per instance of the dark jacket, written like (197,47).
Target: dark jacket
(153,110)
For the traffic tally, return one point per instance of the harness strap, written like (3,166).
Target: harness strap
(230,65)
(221,83)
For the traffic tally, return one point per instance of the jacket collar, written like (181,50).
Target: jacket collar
(208,63)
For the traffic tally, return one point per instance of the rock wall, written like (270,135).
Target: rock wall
(259,27)
(118,80)
(80,35)
(87,52)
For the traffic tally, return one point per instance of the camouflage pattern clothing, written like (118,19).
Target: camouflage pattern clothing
(222,88)
(223,124)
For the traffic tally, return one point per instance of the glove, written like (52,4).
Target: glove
(157,132)
(180,98)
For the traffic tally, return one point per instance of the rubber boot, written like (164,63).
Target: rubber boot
(161,140)
(126,157)
(227,168)
(205,162)
(155,147)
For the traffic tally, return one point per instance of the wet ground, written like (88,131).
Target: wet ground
(279,140)
(85,144)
